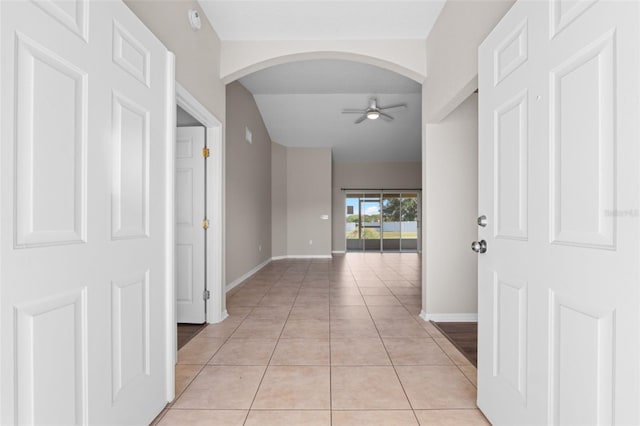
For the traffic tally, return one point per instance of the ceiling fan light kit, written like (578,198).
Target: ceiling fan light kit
(373,111)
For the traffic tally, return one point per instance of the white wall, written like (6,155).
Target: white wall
(368,175)
(451,200)
(308,198)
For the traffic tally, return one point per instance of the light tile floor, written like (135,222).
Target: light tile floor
(325,342)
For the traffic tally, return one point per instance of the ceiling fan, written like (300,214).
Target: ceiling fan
(373,111)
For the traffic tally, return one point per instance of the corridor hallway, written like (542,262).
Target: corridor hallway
(325,342)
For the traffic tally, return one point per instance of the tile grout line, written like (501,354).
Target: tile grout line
(404,391)
(276,346)
(335,272)
(202,366)
(330,360)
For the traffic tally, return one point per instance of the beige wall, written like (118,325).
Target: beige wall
(308,198)
(368,175)
(197,52)
(278,200)
(451,199)
(452,53)
(248,185)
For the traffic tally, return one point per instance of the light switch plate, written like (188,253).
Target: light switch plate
(247,135)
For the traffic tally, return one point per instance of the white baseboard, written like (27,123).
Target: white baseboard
(303,256)
(449,317)
(224,316)
(338,252)
(243,277)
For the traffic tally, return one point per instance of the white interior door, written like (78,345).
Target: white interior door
(83,217)
(559,173)
(190,235)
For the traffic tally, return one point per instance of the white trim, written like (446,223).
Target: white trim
(216,309)
(169,291)
(243,277)
(464,317)
(253,271)
(338,252)
(223,316)
(303,256)
(195,108)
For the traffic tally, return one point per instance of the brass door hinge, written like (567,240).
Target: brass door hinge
(205,152)
(205,224)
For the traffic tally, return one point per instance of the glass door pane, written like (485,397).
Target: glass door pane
(352,222)
(382,221)
(409,222)
(370,222)
(391,222)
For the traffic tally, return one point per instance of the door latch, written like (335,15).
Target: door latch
(479,246)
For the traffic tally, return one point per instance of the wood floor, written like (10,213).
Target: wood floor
(187,332)
(464,335)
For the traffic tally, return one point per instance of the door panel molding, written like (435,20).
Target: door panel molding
(511,152)
(582,141)
(61,367)
(130,331)
(581,364)
(510,335)
(130,169)
(50,165)
(511,53)
(77,21)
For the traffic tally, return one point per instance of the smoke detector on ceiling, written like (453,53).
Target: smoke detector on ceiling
(194,19)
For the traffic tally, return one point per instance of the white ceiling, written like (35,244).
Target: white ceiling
(327,76)
(301,102)
(322,20)
(314,120)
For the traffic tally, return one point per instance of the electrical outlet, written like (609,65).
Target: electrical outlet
(260,247)
(310,242)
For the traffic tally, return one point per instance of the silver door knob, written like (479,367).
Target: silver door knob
(479,246)
(482,221)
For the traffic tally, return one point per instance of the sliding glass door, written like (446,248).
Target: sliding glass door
(370,222)
(382,221)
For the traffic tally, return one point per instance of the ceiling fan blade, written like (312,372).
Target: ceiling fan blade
(361,119)
(393,106)
(354,111)
(386,116)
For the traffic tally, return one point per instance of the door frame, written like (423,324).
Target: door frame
(216,305)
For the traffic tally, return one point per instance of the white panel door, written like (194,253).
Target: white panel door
(559,173)
(85,107)
(190,235)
